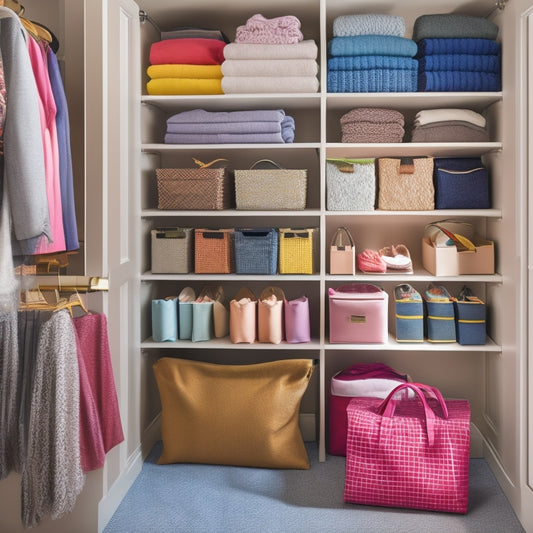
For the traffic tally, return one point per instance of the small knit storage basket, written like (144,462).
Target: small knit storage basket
(406,184)
(267,185)
(213,251)
(256,251)
(350,184)
(296,250)
(195,188)
(172,250)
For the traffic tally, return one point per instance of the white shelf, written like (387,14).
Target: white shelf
(277,278)
(436,213)
(226,344)
(149,213)
(418,275)
(162,147)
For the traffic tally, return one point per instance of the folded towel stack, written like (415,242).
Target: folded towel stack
(187,62)
(372,125)
(270,56)
(222,127)
(449,125)
(369,53)
(457,53)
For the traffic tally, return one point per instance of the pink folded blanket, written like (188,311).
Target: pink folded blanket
(279,30)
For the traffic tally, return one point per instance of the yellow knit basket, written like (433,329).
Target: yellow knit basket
(296,250)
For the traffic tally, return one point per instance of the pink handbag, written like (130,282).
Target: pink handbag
(374,380)
(358,313)
(412,453)
(297,327)
(342,253)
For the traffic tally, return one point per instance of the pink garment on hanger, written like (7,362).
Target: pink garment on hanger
(48,110)
(100,424)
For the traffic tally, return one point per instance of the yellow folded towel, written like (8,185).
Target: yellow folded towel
(184,71)
(166,86)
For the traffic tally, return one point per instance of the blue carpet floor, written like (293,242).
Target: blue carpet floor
(185,498)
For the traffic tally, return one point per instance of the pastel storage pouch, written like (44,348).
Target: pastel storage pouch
(256,251)
(461,183)
(470,318)
(406,184)
(165,319)
(409,310)
(358,313)
(267,185)
(243,317)
(350,184)
(440,318)
(374,380)
(172,250)
(270,315)
(202,321)
(342,253)
(185,302)
(213,294)
(297,326)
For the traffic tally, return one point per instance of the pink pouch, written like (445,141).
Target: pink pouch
(358,313)
(342,253)
(297,327)
(243,317)
(270,315)
(375,380)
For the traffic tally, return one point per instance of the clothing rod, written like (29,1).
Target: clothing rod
(143,17)
(498,5)
(72,283)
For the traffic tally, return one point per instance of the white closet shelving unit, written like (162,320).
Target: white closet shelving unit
(317,138)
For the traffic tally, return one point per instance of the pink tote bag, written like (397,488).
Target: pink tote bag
(297,326)
(412,453)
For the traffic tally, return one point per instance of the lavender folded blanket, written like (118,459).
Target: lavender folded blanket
(458,46)
(259,29)
(453,80)
(372,62)
(453,25)
(201,115)
(371,24)
(224,138)
(226,127)
(377,45)
(475,63)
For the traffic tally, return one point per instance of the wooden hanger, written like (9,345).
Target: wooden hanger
(13,5)
(74,301)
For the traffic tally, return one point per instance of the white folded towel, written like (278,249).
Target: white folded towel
(257,84)
(428,116)
(303,50)
(270,67)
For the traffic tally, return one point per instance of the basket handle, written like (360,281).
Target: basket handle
(201,164)
(268,161)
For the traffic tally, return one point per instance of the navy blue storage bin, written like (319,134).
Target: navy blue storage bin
(440,321)
(256,251)
(409,309)
(461,183)
(470,321)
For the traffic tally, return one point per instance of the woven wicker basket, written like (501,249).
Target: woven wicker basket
(350,184)
(296,248)
(256,251)
(406,185)
(266,185)
(213,251)
(172,250)
(195,188)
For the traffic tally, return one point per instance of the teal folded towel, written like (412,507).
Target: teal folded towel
(372,81)
(375,45)
(453,25)
(370,24)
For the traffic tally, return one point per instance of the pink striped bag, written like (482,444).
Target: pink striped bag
(411,453)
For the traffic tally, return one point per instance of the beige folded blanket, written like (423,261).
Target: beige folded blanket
(270,67)
(427,116)
(303,50)
(280,84)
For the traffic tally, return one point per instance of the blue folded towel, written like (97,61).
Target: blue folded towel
(451,25)
(372,81)
(368,24)
(458,46)
(376,45)
(372,62)
(475,63)
(453,80)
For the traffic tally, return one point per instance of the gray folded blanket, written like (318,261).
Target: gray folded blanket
(449,131)
(453,25)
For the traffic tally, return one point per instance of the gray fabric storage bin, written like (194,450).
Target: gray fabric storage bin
(172,250)
(350,184)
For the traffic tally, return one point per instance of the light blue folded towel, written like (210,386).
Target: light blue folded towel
(372,62)
(372,81)
(371,24)
(372,45)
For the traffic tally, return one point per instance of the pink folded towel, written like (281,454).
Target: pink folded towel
(260,30)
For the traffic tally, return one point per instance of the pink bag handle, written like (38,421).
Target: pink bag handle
(388,406)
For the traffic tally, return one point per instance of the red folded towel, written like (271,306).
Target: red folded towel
(187,51)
